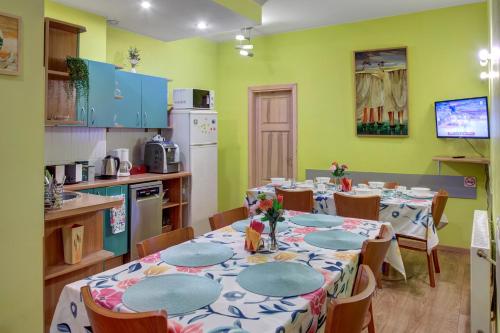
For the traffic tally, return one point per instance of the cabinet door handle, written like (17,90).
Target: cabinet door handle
(138,119)
(92,112)
(145,119)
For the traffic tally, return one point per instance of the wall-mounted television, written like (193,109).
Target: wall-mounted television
(462,118)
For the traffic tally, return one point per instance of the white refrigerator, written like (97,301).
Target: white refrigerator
(195,131)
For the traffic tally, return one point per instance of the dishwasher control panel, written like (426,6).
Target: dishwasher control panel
(147,192)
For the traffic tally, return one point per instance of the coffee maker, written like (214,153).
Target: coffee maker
(125,165)
(162,156)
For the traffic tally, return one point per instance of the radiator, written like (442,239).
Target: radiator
(480,274)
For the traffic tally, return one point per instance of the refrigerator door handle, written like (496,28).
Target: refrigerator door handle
(203,144)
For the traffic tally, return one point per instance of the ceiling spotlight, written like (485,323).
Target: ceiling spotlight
(484,55)
(146,4)
(246,53)
(240,37)
(202,25)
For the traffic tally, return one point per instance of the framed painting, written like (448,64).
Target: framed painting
(381,83)
(10,44)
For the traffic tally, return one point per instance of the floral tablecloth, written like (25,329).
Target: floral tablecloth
(236,310)
(408,216)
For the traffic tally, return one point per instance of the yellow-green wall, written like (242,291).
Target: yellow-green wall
(93,41)
(21,176)
(442,61)
(188,62)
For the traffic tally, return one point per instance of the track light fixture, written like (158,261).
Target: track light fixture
(244,46)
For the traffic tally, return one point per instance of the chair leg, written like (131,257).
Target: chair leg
(430,267)
(371,325)
(385,269)
(436,260)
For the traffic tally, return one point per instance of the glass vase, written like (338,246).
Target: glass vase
(273,242)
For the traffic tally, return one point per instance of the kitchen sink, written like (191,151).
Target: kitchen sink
(70,196)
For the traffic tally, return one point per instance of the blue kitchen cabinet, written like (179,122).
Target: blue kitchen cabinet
(116,243)
(127,105)
(154,102)
(101,94)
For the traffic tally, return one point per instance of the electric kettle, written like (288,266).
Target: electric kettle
(110,166)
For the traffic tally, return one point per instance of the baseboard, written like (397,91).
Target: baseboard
(453,249)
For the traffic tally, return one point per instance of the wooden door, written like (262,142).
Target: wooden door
(272,134)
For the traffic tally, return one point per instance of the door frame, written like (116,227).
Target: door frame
(252,149)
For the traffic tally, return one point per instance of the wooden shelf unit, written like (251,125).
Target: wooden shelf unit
(176,209)
(62,39)
(88,260)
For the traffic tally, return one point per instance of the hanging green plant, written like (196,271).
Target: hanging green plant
(78,77)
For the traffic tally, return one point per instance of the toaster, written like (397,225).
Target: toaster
(162,157)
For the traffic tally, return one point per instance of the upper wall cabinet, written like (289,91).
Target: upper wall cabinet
(127,102)
(101,100)
(154,102)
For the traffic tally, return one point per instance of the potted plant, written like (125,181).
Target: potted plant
(78,77)
(133,57)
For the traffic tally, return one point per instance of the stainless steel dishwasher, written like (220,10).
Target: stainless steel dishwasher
(145,213)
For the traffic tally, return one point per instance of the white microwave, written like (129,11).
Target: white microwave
(193,99)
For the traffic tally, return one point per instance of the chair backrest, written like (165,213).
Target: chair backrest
(107,321)
(347,315)
(366,207)
(165,240)
(223,219)
(374,251)
(438,205)
(299,200)
(390,185)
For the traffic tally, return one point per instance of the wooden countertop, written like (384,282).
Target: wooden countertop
(473,160)
(141,178)
(85,203)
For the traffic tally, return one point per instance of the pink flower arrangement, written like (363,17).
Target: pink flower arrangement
(338,170)
(107,297)
(176,327)
(124,284)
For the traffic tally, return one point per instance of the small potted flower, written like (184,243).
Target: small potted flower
(272,209)
(339,171)
(133,57)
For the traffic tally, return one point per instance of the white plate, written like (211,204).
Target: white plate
(376,184)
(305,185)
(420,195)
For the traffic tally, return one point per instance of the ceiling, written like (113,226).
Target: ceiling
(166,19)
(175,19)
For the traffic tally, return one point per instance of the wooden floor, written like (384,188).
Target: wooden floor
(413,306)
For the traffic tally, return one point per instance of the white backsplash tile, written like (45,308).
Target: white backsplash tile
(70,144)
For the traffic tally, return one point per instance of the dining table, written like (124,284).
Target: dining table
(408,215)
(237,309)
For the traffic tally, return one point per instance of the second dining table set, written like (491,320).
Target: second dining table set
(321,277)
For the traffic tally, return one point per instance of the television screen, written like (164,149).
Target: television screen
(462,118)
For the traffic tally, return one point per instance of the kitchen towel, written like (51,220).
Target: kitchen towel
(118,216)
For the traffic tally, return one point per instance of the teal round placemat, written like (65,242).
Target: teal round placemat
(317,220)
(280,279)
(175,293)
(243,224)
(196,254)
(335,240)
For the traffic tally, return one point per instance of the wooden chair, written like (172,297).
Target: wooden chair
(107,321)
(165,240)
(417,244)
(391,185)
(301,201)
(373,254)
(223,219)
(357,207)
(347,315)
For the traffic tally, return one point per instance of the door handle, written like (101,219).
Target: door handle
(92,112)
(138,119)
